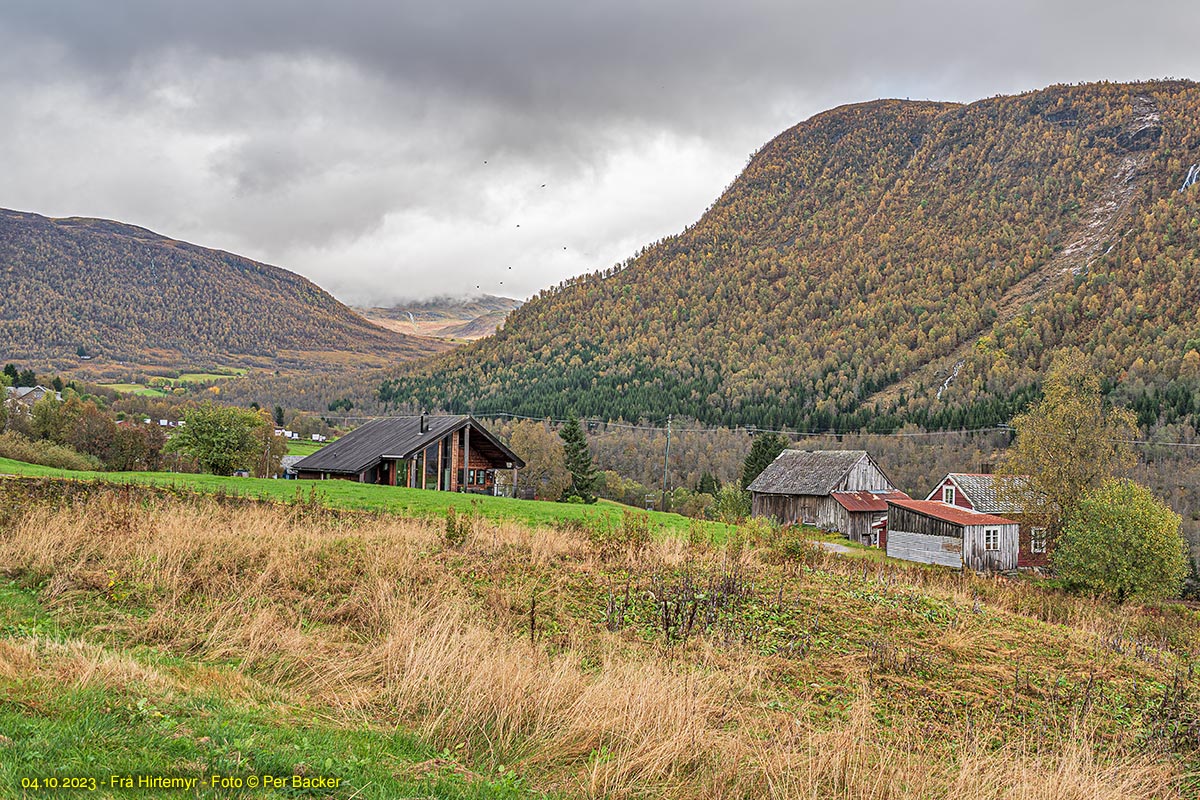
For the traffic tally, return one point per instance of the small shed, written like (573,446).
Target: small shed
(287,466)
(933,532)
(798,486)
(860,515)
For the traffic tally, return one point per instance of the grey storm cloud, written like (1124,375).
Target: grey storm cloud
(348,141)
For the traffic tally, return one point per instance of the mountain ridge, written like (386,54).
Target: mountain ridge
(446,317)
(131,295)
(865,244)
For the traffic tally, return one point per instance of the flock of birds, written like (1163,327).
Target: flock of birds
(480,286)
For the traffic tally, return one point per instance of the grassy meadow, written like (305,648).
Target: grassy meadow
(347,495)
(300,447)
(476,656)
(183,378)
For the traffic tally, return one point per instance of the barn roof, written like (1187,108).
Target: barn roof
(982,490)
(955,514)
(867,501)
(815,472)
(393,437)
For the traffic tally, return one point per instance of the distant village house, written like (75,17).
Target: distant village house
(28,395)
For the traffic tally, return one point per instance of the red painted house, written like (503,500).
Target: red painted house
(979,492)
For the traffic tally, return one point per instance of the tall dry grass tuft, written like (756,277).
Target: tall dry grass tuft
(382,618)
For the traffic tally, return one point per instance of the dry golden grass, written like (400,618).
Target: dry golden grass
(378,619)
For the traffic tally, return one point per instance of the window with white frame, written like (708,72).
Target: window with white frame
(991,538)
(1037,540)
(948,495)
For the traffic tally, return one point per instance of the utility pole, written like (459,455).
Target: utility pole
(666,456)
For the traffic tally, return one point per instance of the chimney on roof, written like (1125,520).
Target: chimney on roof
(424,422)
(986,468)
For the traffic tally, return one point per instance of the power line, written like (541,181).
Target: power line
(649,427)
(754,429)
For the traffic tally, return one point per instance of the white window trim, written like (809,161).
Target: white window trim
(948,495)
(1036,534)
(991,539)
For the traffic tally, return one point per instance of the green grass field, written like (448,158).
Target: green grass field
(389,499)
(198,377)
(134,388)
(84,711)
(300,447)
(186,377)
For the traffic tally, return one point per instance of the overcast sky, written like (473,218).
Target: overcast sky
(390,150)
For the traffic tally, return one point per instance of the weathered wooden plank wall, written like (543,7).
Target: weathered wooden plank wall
(864,476)
(978,558)
(923,548)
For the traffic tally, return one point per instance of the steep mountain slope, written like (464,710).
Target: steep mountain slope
(885,262)
(126,294)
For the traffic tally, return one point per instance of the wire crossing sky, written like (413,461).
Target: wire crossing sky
(394,150)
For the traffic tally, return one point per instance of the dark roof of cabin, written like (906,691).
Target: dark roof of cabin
(394,437)
(815,472)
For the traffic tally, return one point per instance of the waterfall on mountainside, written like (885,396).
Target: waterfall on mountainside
(1193,176)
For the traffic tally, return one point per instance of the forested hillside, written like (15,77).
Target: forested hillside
(884,263)
(71,288)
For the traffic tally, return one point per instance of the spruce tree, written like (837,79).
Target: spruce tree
(763,451)
(579,462)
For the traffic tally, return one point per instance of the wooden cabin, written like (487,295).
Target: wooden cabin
(798,486)
(445,453)
(933,532)
(983,493)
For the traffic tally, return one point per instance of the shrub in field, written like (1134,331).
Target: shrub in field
(20,448)
(1124,543)
(458,527)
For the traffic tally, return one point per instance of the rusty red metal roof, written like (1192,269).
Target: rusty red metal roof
(867,501)
(955,514)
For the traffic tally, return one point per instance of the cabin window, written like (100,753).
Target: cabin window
(991,538)
(947,495)
(1037,540)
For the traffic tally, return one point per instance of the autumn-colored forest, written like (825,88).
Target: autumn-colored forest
(84,289)
(885,263)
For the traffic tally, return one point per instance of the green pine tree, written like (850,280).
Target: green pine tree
(764,450)
(579,463)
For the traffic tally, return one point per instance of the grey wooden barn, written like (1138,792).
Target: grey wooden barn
(860,516)
(933,532)
(798,486)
